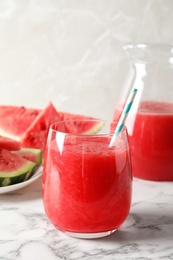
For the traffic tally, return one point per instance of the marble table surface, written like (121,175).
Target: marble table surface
(27,234)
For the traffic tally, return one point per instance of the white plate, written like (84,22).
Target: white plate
(20,185)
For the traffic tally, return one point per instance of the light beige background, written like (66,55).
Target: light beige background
(70,51)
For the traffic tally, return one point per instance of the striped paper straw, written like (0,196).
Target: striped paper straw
(124,115)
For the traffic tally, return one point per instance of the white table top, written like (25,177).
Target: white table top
(27,234)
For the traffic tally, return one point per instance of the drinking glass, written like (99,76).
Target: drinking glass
(86,185)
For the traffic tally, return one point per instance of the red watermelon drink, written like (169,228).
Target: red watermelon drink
(151,138)
(86,185)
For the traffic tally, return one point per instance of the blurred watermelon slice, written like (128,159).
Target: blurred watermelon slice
(31,154)
(30,126)
(14,169)
(36,134)
(9,144)
(85,127)
(14,120)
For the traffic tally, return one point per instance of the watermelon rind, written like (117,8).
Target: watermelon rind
(33,153)
(16,176)
(95,129)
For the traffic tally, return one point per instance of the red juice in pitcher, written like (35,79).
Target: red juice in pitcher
(151,140)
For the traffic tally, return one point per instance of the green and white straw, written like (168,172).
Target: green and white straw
(124,115)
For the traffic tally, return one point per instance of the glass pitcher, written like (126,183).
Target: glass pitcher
(150,120)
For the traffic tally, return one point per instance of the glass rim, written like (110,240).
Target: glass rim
(95,134)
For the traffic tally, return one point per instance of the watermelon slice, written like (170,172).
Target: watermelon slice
(36,134)
(8,143)
(30,126)
(14,120)
(14,169)
(89,125)
(31,154)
